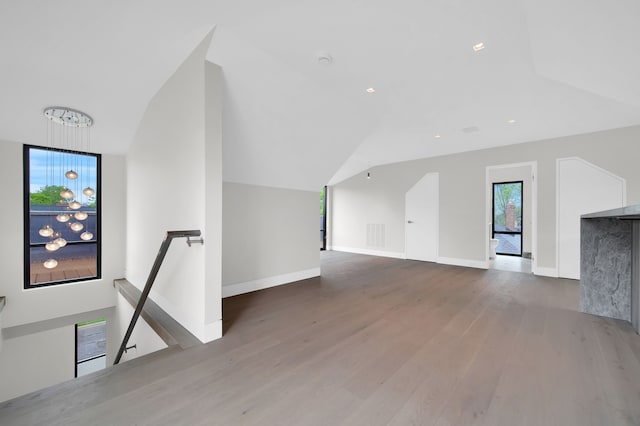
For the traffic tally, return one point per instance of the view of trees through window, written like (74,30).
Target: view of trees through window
(507,217)
(62,227)
(508,206)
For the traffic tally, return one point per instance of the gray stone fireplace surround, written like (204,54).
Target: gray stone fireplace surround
(610,264)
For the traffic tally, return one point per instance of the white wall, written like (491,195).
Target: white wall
(270,236)
(358,201)
(27,306)
(143,336)
(174,174)
(582,188)
(41,354)
(510,174)
(23,358)
(41,317)
(213,191)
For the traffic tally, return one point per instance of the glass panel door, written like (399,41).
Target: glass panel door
(323,219)
(507,217)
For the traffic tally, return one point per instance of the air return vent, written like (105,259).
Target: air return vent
(375,235)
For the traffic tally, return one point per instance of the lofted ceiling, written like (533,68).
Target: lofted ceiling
(555,67)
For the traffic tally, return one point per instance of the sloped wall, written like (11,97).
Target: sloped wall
(174,174)
(358,200)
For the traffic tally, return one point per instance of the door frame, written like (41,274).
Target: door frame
(522,216)
(437,217)
(534,209)
(324,219)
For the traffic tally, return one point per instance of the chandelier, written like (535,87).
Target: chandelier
(68,130)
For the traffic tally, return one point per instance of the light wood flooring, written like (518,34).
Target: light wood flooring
(511,263)
(376,341)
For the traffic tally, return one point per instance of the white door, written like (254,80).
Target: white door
(582,188)
(421,219)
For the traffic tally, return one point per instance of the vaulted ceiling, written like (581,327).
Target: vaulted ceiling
(291,120)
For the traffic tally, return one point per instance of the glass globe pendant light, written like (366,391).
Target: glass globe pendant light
(46,231)
(50,263)
(69,141)
(63,217)
(76,226)
(67,194)
(52,246)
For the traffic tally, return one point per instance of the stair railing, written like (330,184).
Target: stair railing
(152,276)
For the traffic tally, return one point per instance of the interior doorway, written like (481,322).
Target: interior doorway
(422,219)
(515,195)
(323,218)
(507,217)
(91,346)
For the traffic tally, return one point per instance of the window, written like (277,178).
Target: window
(507,217)
(62,216)
(91,346)
(323,219)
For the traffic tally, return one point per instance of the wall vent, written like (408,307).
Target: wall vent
(375,235)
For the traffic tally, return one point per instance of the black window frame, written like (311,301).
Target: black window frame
(27,218)
(323,224)
(493,216)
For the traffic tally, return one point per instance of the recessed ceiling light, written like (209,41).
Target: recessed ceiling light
(478,46)
(371,90)
(437,136)
(511,121)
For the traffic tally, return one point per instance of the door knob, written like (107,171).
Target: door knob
(409,221)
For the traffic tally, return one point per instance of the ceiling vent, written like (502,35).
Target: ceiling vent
(324,59)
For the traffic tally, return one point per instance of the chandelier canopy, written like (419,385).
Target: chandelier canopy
(68,131)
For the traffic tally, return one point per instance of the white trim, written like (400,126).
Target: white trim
(262,283)
(481,264)
(546,272)
(212,331)
(437,217)
(601,170)
(393,254)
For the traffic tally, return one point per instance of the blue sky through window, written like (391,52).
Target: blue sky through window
(49,168)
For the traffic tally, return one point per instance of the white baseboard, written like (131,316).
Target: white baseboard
(393,254)
(481,264)
(262,283)
(546,272)
(211,331)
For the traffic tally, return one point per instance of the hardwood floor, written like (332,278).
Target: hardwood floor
(376,341)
